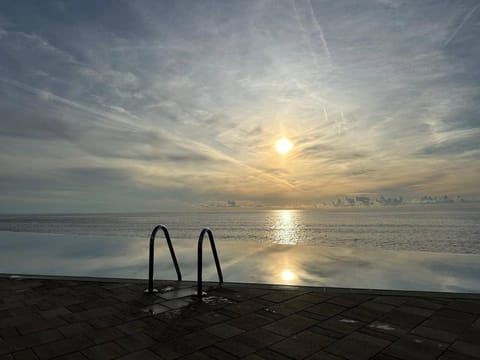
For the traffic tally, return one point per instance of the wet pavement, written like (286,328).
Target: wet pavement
(78,318)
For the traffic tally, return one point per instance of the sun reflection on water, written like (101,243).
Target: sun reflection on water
(285,228)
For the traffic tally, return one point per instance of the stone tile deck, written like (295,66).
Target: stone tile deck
(74,318)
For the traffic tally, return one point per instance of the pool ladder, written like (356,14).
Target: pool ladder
(200,293)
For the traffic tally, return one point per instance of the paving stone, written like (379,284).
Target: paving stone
(72,356)
(176,294)
(341,324)
(176,303)
(357,346)
(105,334)
(212,317)
(454,314)
(249,322)
(184,345)
(245,293)
(392,300)
(141,355)
(382,356)
(476,324)
(402,319)
(268,354)
(64,319)
(18,342)
(416,310)
(387,328)
(465,348)
(326,332)
(90,314)
(5,347)
(224,330)
(385,335)
(25,355)
(105,321)
(249,342)
(471,335)
(326,310)
(322,355)
(105,351)
(258,338)
(62,347)
(272,314)
(198,340)
(245,307)
(56,312)
(435,334)
(215,353)
(290,306)
(363,313)
(135,342)
(465,306)
(313,298)
(21,321)
(349,300)
(302,345)
(132,327)
(448,324)
(253,357)
(279,296)
(411,347)
(290,325)
(450,355)
(76,329)
(422,303)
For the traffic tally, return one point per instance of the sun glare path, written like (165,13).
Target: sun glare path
(283,146)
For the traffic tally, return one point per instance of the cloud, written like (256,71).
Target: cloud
(456,143)
(190,95)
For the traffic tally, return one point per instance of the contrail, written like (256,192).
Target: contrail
(182,142)
(465,19)
(320,31)
(111,119)
(311,27)
(304,32)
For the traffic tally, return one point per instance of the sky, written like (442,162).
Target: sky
(170,105)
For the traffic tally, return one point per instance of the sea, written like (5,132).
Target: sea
(423,247)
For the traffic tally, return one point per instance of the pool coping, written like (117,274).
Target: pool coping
(324,289)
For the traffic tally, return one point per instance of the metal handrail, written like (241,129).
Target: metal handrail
(200,258)
(151,256)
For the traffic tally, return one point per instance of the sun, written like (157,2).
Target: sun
(287,275)
(283,146)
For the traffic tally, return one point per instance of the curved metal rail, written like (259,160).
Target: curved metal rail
(200,258)
(152,253)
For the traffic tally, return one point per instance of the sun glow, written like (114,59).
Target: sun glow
(283,146)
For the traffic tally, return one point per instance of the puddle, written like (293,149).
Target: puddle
(348,321)
(166,289)
(381,326)
(270,310)
(169,315)
(216,300)
(155,309)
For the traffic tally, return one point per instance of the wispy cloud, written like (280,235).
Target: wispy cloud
(374,95)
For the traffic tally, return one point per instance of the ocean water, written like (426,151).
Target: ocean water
(418,248)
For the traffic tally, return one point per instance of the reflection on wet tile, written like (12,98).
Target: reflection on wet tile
(155,309)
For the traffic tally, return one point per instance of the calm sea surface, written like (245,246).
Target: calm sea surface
(426,248)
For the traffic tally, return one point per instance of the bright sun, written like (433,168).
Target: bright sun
(283,146)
